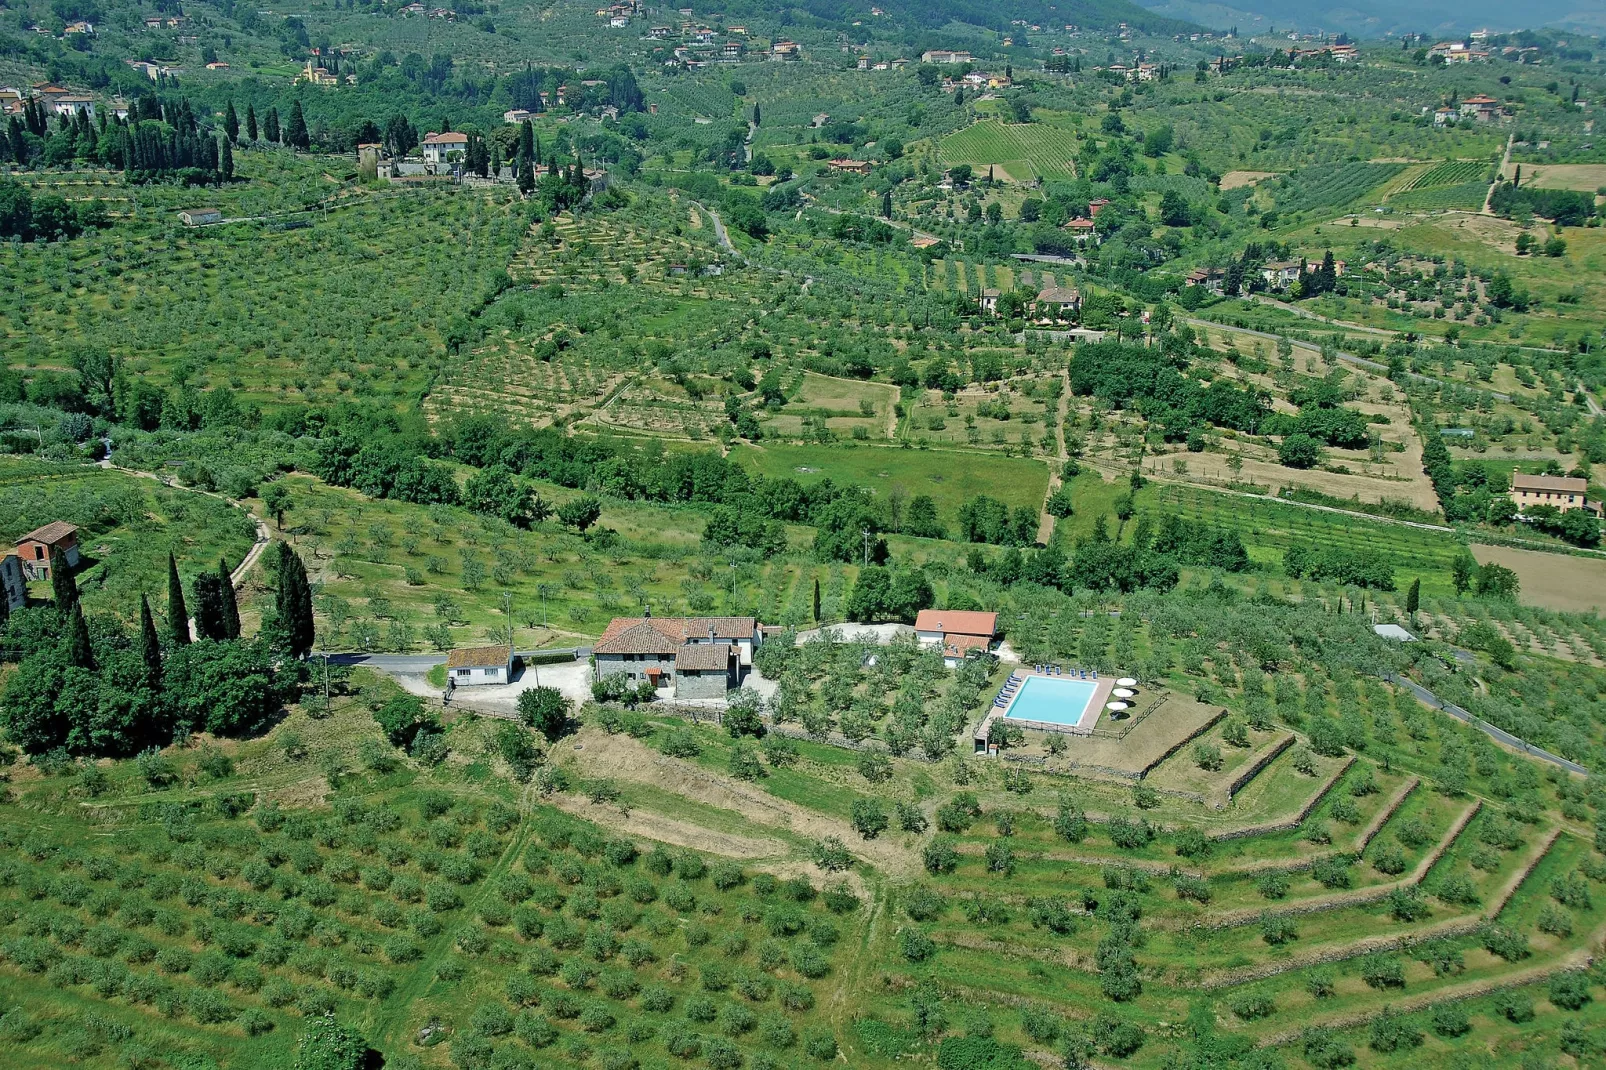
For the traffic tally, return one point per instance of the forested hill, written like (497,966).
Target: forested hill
(1000,15)
(1375,18)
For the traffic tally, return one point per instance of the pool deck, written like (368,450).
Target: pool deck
(1102,687)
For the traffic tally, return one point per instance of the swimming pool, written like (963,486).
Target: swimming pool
(1052,700)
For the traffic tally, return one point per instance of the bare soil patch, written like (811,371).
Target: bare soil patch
(1588,177)
(623,758)
(1234,179)
(647,825)
(1554,581)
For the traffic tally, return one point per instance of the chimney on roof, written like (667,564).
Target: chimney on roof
(710,631)
(646,613)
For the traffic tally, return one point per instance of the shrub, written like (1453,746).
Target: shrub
(939,855)
(820,1044)
(1569,990)
(1555,921)
(1514,1006)
(1506,943)
(1192,843)
(1389,860)
(1450,1020)
(1325,1050)
(1457,889)
(1391,1032)
(1276,930)
(1408,904)
(1333,872)
(1114,1036)
(1383,971)
(1273,885)
(915,945)
(1319,983)
(1253,1007)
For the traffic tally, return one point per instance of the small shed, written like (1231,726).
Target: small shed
(195,217)
(473,665)
(1394,632)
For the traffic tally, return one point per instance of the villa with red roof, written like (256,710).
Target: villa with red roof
(956,632)
(697,657)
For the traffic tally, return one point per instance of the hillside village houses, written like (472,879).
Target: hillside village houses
(939,55)
(697,658)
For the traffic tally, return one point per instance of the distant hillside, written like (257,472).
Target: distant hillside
(992,14)
(1375,18)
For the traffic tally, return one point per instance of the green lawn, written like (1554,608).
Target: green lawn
(950,477)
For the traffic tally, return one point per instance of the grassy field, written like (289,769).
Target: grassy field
(950,477)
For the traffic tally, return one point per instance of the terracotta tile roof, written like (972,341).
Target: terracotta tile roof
(960,645)
(664,635)
(1060,295)
(1554,484)
(704,657)
(625,635)
(52,533)
(478,657)
(956,622)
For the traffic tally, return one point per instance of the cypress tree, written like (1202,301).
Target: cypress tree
(294,602)
(209,608)
(526,176)
(231,123)
(251,122)
(62,587)
(79,652)
(231,607)
(816,599)
(295,133)
(178,616)
(150,646)
(527,140)
(226,161)
(270,125)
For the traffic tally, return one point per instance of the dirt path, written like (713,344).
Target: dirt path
(237,575)
(1045,523)
(1499,176)
(626,759)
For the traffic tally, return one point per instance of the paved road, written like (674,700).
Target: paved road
(1044,258)
(1428,698)
(719,230)
(418,664)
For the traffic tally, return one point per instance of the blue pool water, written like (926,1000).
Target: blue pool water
(1052,700)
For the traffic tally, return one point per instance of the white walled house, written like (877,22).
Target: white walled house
(470,666)
(956,632)
(439,147)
